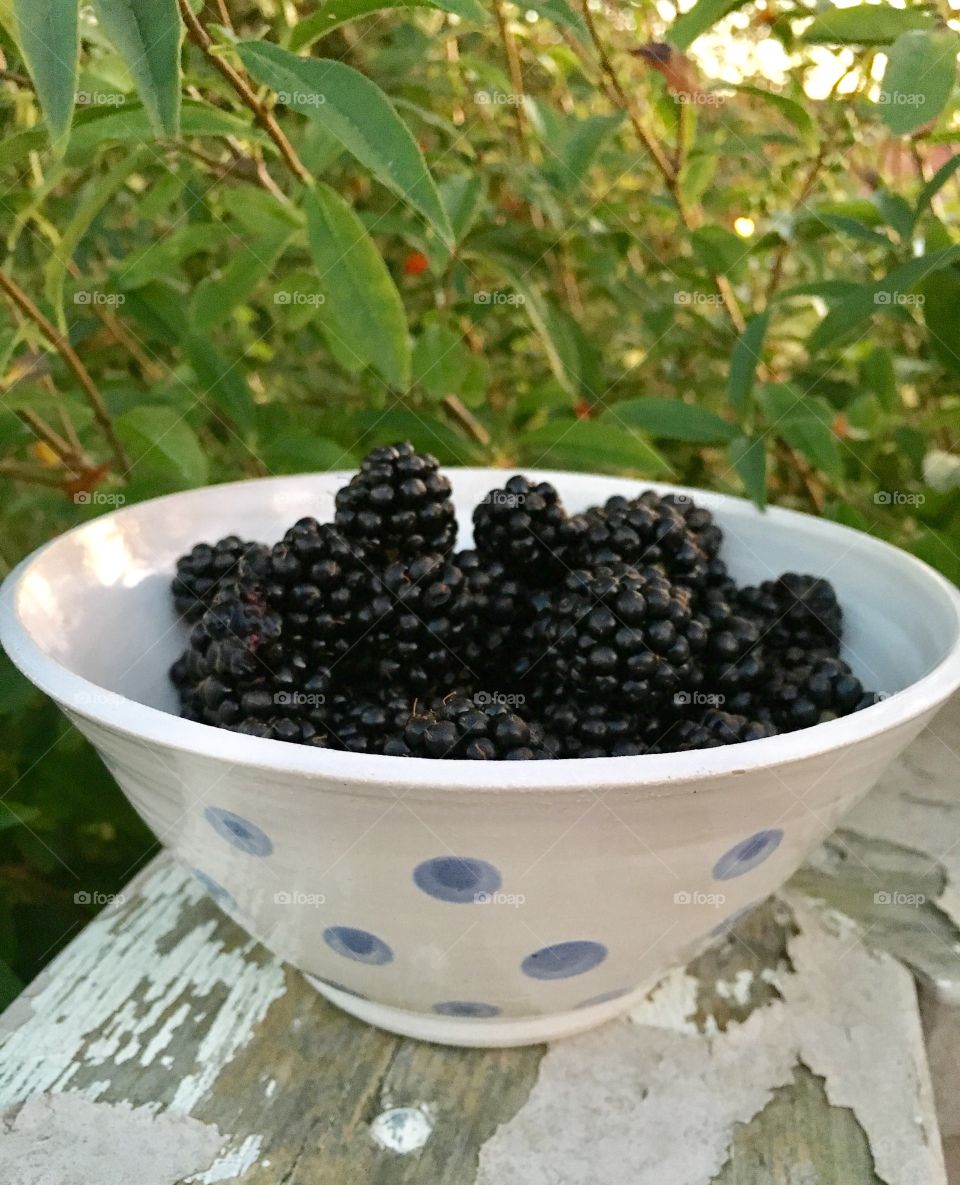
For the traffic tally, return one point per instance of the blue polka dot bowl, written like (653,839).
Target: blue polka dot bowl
(471,903)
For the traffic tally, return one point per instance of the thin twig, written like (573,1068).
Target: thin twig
(53,440)
(466,419)
(202,39)
(516,73)
(23,302)
(780,255)
(27,473)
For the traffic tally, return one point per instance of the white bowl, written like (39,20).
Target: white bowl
(471,903)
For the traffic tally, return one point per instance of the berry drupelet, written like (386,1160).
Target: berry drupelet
(205,570)
(522,525)
(807,688)
(460,728)
(712,729)
(398,506)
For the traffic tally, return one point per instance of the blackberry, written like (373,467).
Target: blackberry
(734,661)
(460,728)
(414,626)
(316,580)
(616,635)
(643,532)
(501,609)
(711,730)
(807,688)
(795,611)
(597,730)
(205,570)
(398,506)
(238,674)
(522,525)
(365,723)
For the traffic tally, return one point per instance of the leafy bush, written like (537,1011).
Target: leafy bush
(557,235)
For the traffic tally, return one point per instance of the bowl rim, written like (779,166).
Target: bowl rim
(119,714)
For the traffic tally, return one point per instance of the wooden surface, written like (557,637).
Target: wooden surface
(165,1046)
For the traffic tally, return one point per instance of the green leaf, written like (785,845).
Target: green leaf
(304,452)
(671,419)
(568,166)
(162,444)
(562,353)
(804,423)
(744,360)
(795,113)
(164,258)
(16,148)
(362,307)
(940,552)
(941,299)
(882,296)
(50,41)
(216,296)
(359,114)
(896,211)
(703,16)
(748,455)
(17,814)
(697,173)
(921,70)
(591,445)
(221,382)
(561,13)
(865,24)
(880,377)
(463,196)
(442,364)
(146,34)
(720,250)
(103,191)
(337,12)
(131,124)
(933,186)
(16,691)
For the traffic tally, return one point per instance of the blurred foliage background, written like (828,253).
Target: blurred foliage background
(716,246)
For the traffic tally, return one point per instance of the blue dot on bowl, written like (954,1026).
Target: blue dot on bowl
(359,945)
(471,1008)
(564,959)
(217,892)
(462,880)
(604,997)
(747,854)
(239,832)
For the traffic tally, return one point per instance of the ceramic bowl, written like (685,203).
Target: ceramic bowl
(470,903)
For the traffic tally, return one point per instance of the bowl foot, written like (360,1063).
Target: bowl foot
(491,1033)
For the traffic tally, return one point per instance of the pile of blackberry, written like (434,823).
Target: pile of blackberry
(617,632)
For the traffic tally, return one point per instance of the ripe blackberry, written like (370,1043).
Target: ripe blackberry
(414,626)
(616,635)
(522,525)
(643,532)
(460,728)
(807,688)
(398,506)
(316,580)
(237,673)
(205,569)
(734,660)
(365,722)
(795,611)
(597,730)
(712,729)
(501,607)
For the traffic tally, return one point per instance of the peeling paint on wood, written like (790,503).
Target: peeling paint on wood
(402,1129)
